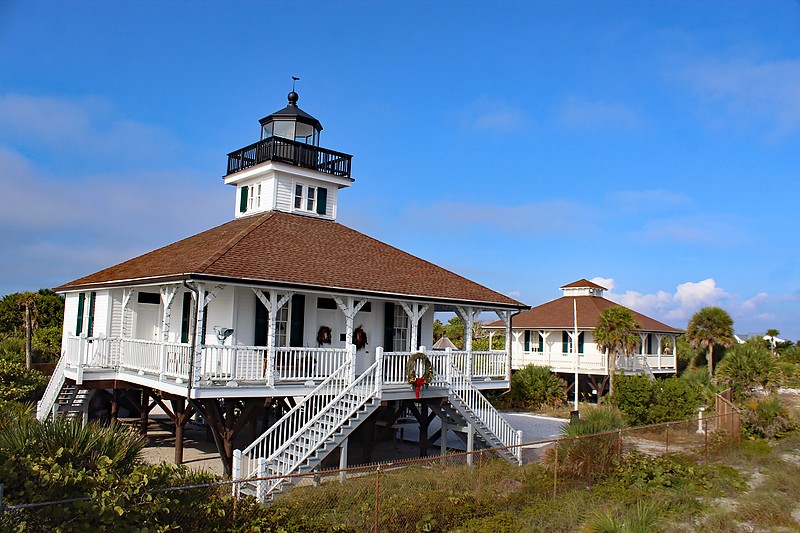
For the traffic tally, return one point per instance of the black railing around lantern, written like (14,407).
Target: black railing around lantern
(293,153)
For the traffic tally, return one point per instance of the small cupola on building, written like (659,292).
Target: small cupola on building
(287,170)
(583,287)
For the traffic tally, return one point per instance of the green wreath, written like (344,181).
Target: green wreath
(411,369)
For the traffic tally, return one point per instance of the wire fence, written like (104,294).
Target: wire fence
(424,494)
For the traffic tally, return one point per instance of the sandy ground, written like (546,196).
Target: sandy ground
(200,452)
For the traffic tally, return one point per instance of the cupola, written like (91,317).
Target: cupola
(292,123)
(583,287)
(287,170)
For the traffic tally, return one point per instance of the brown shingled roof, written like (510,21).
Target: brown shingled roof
(558,314)
(283,248)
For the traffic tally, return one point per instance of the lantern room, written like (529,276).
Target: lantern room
(291,123)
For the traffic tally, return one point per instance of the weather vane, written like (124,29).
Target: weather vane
(294,79)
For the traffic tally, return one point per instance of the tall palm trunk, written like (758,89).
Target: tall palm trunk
(711,362)
(28,337)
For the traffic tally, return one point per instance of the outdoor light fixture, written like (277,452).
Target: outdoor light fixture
(222,333)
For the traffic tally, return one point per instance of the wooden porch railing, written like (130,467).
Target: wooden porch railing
(293,153)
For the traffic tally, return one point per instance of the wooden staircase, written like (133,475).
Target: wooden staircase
(304,436)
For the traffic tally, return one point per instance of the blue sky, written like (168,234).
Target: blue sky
(653,147)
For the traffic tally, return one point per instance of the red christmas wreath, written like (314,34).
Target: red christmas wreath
(359,338)
(324,335)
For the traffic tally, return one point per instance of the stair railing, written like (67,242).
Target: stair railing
(304,428)
(462,388)
(45,406)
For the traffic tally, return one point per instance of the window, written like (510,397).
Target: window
(311,203)
(326,303)
(282,326)
(298,196)
(148,298)
(311,199)
(566,342)
(254,197)
(400,343)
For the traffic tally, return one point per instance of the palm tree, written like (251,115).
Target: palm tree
(772,334)
(709,327)
(614,333)
(27,302)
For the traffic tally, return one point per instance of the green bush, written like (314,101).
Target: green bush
(767,418)
(12,349)
(18,384)
(747,367)
(586,458)
(533,387)
(47,344)
(646,401)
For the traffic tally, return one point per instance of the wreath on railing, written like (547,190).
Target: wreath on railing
(324,335)
(359,338)
(411,371)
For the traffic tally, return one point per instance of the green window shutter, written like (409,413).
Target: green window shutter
(81,304)
(322,200)
(564,342)
(580,342)
(262,324)
(527,340)
(649,347)
(90,326)
(186,313)
(297,320)
(243,200)
(541,342)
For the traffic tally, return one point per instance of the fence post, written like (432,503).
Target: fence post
(377,496)
(667,440)
(518,451)
(555,472)
(261,483)
(619,445)
(480,466)
(705,432)
(236,472)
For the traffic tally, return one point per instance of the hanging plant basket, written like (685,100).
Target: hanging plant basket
(324,335)
(411,371)
(359,338)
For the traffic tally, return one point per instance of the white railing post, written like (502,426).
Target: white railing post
(379,372)
(270,366)
(261,483)
(518,451)
(352,375)
(82,349)
(234,355)
(236,472)
(448,361)
(162,364)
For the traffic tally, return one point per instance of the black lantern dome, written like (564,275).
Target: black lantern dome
(293,123)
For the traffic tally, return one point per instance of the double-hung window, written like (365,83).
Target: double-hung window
(311,199)
(401,327)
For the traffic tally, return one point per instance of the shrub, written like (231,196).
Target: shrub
(18,384)
(13,349)
(747,367)
(767,418)
(585,458)
(646,401)
(533,387)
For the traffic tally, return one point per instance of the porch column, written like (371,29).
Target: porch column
(200,313)
(350,308)
(643,339)
(273,304)
(467,316)
(167,296)
(126,298)
(505,316)
(659,348)
(546,346)
(517,340)
(415,312)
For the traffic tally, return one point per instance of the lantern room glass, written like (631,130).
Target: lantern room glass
(291,129)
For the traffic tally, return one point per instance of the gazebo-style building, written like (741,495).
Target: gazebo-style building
(545,335)
(282,324)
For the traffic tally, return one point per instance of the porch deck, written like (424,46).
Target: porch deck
(211,371)
(597,364)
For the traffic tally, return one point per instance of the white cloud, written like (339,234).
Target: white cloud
(580,114)
(648,201)
(493,116)
(749,93)
(712,229)
(542,218)
(79,126)
(608,283)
